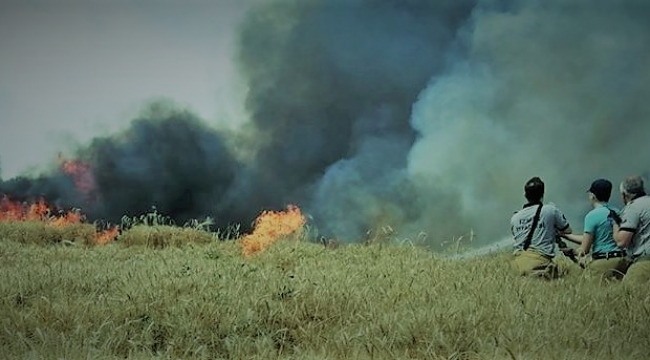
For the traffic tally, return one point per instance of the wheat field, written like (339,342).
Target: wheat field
(199,298)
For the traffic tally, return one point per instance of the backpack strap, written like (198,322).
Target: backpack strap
(529,238)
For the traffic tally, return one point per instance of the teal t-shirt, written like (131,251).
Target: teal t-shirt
(597,224)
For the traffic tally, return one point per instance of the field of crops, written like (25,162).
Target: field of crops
(189,295)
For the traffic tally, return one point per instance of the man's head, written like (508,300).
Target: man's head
(601,190)
(534,190)
(632,188)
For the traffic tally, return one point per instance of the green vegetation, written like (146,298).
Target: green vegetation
(164,235)
(39,232)
(187,295)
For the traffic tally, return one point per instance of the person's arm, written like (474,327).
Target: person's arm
(567,230)
(587,241)
(624,227)
(584,240)
(577,239)
(622,236)
(561,223)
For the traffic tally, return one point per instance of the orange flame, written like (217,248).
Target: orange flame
(106,236)
(68,218)
(270,227)
(81,174)
(15,211)
(40,211)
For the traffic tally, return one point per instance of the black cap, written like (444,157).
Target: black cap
(602,189)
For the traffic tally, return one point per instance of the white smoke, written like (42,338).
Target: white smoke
(556,89)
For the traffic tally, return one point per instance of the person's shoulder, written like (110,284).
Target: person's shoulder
(639,204)
(596,213)
(591,213)
(604,209)
(551,207)
(610,208)
(643,201)
(615,208)
(550,210)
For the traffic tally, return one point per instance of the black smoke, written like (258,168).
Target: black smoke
(331,85)
(170,160)
(56,187)
(167,160)
(419,115)
(331,89)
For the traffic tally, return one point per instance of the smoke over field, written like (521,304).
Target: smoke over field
(421,116)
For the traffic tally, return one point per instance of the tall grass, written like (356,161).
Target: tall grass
(300,300)
(39,232)
(161,236)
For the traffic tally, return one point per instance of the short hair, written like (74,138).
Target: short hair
(633,186)
(534,189)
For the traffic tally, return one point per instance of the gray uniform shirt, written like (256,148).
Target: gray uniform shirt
(551,220)
(636,218)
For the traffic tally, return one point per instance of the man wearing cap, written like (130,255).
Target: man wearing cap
(608,260)
(534,228)
(632,229)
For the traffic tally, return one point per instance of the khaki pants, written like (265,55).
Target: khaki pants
(638,272)
(614,268)
(532,263)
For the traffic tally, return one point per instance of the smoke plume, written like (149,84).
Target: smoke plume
(331,90)
(423,116)
(168,159)
(553,88)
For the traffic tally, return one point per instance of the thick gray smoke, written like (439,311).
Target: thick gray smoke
(422,116)
(168,159)
(331,89)
(551,88)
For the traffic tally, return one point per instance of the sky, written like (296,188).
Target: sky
(72,70)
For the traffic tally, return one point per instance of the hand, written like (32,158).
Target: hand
(570,253)
(567,251)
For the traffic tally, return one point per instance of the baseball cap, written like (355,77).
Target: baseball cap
(601,188)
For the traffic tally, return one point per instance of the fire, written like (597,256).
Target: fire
(68,218)
(15,211)
(81,174)
(270,227)
(107,236)
(40,211)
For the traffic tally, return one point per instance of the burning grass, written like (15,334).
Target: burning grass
(304,301)
(37,223)
(270,227)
